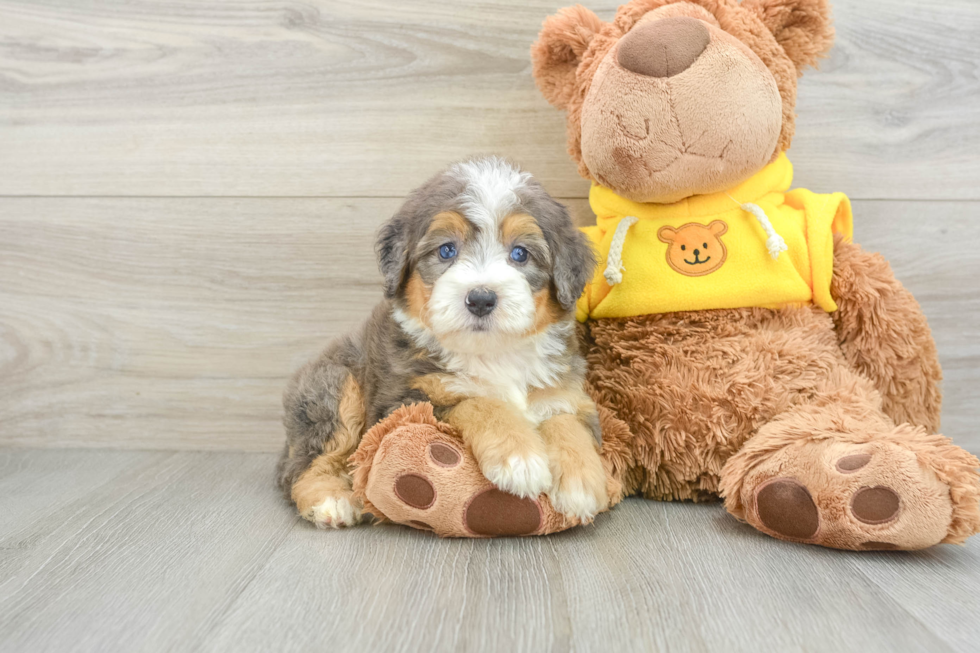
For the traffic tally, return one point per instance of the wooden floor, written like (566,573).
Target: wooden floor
(188,197)
(153,551)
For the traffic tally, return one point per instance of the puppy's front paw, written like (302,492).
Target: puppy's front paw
(335,512)
(575,497)
(580,483)
(524,475)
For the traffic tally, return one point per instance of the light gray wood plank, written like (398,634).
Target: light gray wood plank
(897,104)
(37,486)
(174,323)
(646,577)
(359,99)
(148,561)
(937,587)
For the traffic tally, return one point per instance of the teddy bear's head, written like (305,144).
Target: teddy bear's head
(675,98)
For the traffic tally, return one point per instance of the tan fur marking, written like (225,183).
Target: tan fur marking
(351,409)
(434,386)
(495,432)
(450,221)
(328,474)
(575,458)
(484,422)
(573,395)
(417,295)
(547,310)
(517,225)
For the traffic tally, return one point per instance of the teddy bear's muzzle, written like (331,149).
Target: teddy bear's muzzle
(665,47)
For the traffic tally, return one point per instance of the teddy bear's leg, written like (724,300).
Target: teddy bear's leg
(885,336)
(842,475)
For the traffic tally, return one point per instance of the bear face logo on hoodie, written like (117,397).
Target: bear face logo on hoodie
(694,249)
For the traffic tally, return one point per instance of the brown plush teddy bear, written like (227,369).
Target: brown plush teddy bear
(740,345)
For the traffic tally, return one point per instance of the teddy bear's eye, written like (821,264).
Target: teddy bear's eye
(683,248)
(705,245)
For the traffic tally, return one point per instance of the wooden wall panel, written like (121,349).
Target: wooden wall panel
(322,98)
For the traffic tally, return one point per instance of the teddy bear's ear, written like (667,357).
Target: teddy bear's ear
(667,234)
(556,54)
(802,27)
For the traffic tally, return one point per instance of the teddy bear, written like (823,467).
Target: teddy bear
(740,345)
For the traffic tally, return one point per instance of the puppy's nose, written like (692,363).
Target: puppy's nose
(481,301)
(665,47)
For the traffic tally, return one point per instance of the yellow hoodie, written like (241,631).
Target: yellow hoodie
(715,251)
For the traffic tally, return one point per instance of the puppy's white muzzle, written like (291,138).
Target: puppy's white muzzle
(461,308)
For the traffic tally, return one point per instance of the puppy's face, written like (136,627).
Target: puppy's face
(481,257)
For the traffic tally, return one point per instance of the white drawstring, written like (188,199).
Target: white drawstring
(614,262)
(774,242)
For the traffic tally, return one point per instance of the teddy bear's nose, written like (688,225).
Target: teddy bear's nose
(665,47)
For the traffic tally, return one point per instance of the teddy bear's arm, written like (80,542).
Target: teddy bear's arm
(884,335)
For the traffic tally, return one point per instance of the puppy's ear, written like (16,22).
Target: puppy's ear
(392,251)
(802,27)
(572,258)
(556,54)
(574,266)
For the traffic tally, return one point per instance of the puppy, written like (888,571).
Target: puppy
(481,271)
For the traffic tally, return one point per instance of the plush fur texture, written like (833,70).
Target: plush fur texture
(723,117)
(885,336)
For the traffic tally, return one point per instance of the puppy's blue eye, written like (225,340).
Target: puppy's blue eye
(518,254)
(447,251)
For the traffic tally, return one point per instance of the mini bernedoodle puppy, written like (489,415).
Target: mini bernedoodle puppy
(481,271)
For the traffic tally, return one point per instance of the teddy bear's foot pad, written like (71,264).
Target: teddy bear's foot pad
(870,496)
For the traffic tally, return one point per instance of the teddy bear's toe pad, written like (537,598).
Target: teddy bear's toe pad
(415,490)
(444,455)
(875,505)
(493,512)
(852,463)
(862,496)
(785,507)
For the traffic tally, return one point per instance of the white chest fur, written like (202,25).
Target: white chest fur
(505,371)
(510,375)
